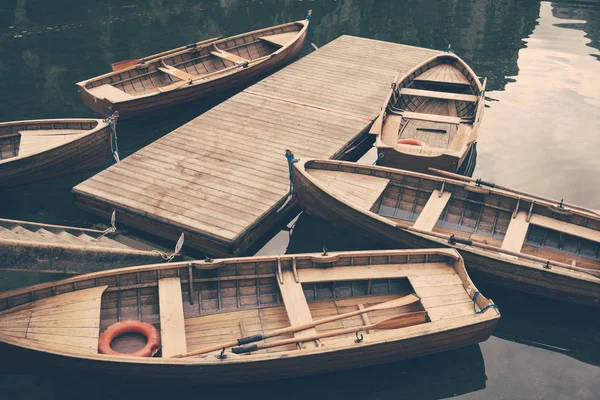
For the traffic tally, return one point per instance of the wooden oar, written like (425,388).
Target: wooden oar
(119,65)
(453,239)
(402,301)
(401,321)
(493,185)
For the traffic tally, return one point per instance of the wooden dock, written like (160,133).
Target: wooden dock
(222,178)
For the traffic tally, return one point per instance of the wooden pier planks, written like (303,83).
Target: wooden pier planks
(222,177)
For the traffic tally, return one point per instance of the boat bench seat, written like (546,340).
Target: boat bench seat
(432,211)
(176,72)
(172,324)
(439,95)
(280,39)
(109,92)
(295,303)
(234,58)
(431,117)
(516,233)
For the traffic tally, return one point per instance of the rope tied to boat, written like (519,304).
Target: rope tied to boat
(379,157)
(112,123)
(484,308)
(112,228)
(176,252)
(291,159)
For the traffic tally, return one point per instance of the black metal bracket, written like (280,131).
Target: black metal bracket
(222,356)
(324,250)
(547,265)
(359,338)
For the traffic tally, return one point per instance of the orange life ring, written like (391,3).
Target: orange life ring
(411,142)
(130,326)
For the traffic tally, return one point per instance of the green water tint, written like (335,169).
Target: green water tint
(540,133)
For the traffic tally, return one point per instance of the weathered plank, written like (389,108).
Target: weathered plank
(222,177)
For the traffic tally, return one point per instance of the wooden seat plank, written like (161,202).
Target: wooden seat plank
(443,73)
(314,275)
(295,303)
(234,58)
(516,233)
(365,189)
(562,226)
(431,117)
(172,323)
(433,209)
(280,39)
(110,93)
(438,95)
(176,72)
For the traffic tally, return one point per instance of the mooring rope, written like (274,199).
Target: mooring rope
(112,228)
(169,257)
(291,160)
(484,308)
(112,123)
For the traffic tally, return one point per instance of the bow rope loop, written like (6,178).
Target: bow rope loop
(484,308)
(379,157)
(291,160)
(112,228)
(178,246)
(112,123)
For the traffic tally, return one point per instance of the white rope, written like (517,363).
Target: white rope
(112,228)
(178,246)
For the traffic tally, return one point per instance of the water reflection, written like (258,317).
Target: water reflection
(540,134)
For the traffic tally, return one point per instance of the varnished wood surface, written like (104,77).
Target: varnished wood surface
(222,300)
(475,213)
(222,177)
(53,148)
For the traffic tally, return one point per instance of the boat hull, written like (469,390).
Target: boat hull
(23,359)
(143,105)
(489,266)
(88,153)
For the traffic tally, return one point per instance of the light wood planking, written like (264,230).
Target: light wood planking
(172,325)
(281,39)
(439,95)
(516,232)
(562,226)
(432,211)
(295,303)
(232,155)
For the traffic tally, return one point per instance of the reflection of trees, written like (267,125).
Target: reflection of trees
(588,13)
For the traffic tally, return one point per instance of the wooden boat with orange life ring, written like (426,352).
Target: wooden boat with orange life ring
(507,237)
(37,150)
(431,116)
(193,72)
(248,319)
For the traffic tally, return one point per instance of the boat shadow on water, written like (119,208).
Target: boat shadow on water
(442,375)
(555,326)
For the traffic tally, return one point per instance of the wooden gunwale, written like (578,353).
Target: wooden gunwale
(531,276)
(458,329)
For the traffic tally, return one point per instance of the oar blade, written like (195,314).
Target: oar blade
(119,65)
(402,301)
(404,320)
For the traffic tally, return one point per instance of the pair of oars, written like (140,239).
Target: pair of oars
(119,65)
(387,324)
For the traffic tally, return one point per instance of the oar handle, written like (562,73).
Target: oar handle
(244,349)
(250,339)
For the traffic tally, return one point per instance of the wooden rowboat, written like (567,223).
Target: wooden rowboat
(38,150)
(197,71)
(394,304)
(36,247)
(431,116)
(510,238)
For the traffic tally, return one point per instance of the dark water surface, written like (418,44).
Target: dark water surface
(541,133)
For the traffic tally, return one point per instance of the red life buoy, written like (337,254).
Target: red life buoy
(130,326)
(411,142)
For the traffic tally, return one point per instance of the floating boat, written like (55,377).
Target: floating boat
(38,150)
(431,116)
(248,319)
(510,238)
(191,72)
(36,247)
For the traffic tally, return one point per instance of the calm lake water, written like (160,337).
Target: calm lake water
(541,133)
